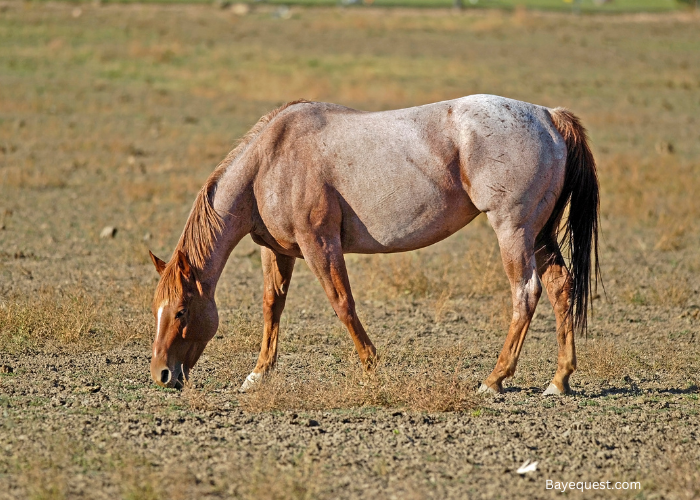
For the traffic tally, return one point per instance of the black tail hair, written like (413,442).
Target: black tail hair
(580,231)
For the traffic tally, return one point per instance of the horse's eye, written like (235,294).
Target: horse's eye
(181,313)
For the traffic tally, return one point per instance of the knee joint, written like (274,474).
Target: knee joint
(528,296)
(345,309)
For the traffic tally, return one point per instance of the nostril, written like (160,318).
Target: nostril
(165,375)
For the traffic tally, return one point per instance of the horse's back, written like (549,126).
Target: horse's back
(410,177)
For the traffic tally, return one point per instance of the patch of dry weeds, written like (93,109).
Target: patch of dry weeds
(430,381)
(70,319)
(52,316)
(668,289)
(603,359)
(196,398)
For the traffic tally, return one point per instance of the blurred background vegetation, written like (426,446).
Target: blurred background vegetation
(590,6)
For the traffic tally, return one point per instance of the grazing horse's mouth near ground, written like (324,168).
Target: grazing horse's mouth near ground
(181,378)
(320,180)
(174,378)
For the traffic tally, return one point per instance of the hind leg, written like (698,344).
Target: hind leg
(277,273)
(517,253)
(557,282)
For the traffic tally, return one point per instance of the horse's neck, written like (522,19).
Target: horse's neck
(233,200)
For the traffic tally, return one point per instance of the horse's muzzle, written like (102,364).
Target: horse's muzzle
(165,377)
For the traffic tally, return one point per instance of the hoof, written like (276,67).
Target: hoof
(553,390)
(487,389)
(250,381)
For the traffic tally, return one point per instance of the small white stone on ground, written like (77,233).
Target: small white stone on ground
(527,467)
(108,232)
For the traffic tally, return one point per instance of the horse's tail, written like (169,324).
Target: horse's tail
(580,231)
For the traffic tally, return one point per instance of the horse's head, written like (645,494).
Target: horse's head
(186,319)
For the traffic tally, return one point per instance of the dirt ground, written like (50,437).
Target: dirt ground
(114,116)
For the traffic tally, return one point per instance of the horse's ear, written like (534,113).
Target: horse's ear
(184,264)
(160,265)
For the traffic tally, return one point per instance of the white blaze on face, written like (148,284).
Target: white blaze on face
(160,315)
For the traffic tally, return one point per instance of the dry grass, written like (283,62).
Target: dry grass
(672,238)
(684,475)
(427,381)
(56,318)
(442,304)
(51,315)
(29,177)
(240,332)
(656,191)
(138,481)
(45,470)
(603,359)
(611,360)
(673,288)
(304,481)
(196,399)
(41,475)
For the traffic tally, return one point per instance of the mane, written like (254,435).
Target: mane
(204,224)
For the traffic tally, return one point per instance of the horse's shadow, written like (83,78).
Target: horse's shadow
(630,390)
(634,390)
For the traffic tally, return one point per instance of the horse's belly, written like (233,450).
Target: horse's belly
(402,222)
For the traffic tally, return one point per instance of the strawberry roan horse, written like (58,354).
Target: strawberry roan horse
(315,181)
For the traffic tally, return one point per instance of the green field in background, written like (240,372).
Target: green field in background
(555,5)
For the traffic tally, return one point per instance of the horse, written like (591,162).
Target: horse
(315,181)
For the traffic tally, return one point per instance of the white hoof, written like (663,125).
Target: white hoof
(486,389)
(553,390)
(250,381)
